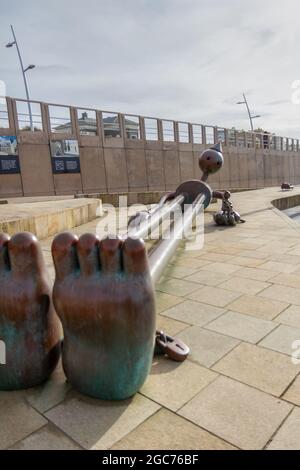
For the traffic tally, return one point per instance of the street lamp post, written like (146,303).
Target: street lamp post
(248,110)
(24,70)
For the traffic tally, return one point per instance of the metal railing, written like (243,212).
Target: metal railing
(75,121)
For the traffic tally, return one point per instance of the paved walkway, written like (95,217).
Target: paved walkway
(236,302)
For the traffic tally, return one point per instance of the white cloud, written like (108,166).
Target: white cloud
(181,59)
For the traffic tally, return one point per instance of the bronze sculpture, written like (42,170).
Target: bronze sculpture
(286,186)
(29,327)
(104,296)
(227,215)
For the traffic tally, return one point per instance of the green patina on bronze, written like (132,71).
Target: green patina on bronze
(29,327)
(104,296)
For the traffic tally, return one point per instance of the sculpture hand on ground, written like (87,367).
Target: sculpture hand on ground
(29,327)
(104,295)
(227,215)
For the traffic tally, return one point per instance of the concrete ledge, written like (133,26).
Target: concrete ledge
(45,219)
(289,200)
(147,197)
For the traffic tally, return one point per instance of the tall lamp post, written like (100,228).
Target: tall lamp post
(248,110)
(24,70)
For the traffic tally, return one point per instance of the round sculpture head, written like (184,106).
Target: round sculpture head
(227,194)
(211,160)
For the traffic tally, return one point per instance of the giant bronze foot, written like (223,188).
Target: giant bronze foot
(29,327)
(104,296)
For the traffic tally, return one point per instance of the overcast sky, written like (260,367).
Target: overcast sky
(182,59)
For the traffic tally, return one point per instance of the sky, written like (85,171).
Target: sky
(187,60)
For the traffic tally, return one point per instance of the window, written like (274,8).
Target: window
(132,127)
(232,137)
(241,139)
(111,125)
(221,135)
(4,120)
(168,131)
(183,132)
(277,142)
(87,121)
(284,144)
(197,134)
(29,116)
(60,119)
(151,129)
(209,135)
(266,141)
(249,140)
(258,141)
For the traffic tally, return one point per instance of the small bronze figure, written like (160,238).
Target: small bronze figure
(227,215)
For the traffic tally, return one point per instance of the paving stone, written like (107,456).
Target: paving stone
(218,257)
(165,301)
(223,268)
(170,326)
(179,272)
(278,267)
(291,316)
(224,250)
(208,278)
(18,418)
(167,431)
(214,296)
(293,392)
(245,286)
(282,339)
(50,393)
(291,295)
(237,413)
(286,258)
(264,369)
(173,384)
(190,263)
(253,254)
(96,424)
(207,347)
(290,280)
(256,274)
(240,326)
(177,287)
(245,261)
(257,306)
(47,438)
(288,436)
(194,313)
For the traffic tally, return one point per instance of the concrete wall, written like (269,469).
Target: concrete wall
(110,165)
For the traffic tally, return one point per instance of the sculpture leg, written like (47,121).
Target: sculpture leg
(104,296)
(29,327)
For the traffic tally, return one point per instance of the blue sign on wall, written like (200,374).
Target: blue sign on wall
(9,159)
(65,156)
